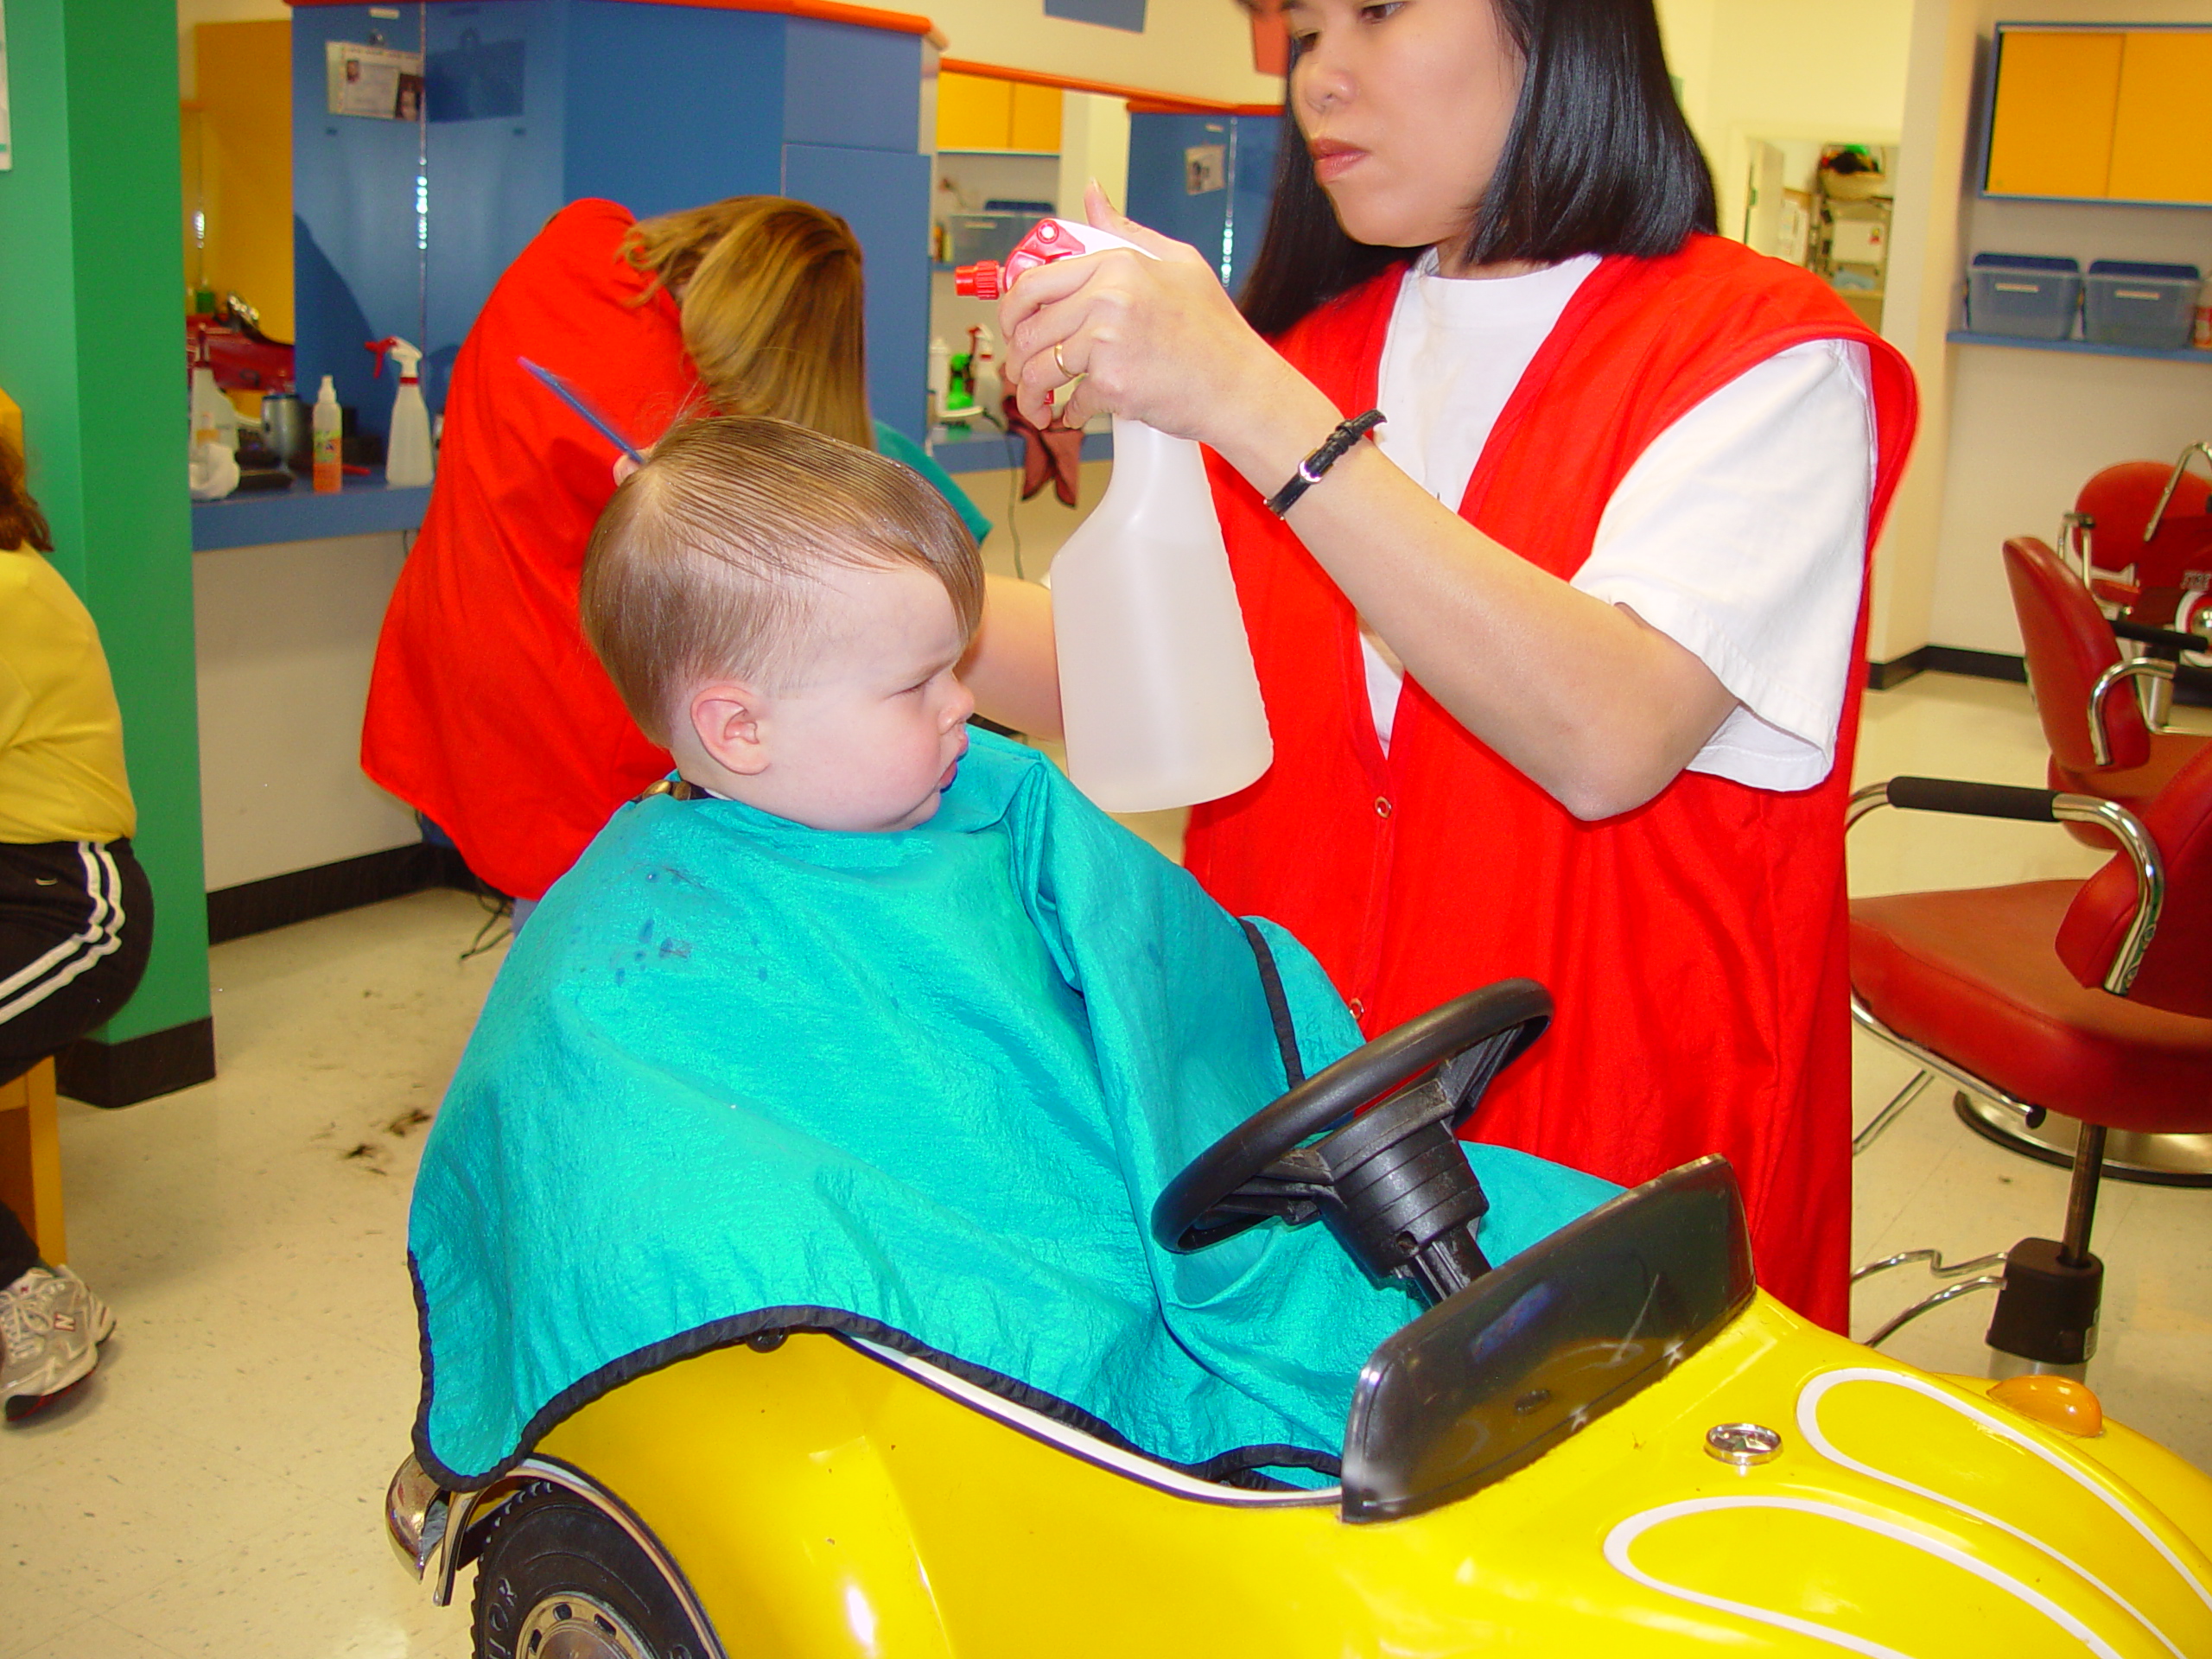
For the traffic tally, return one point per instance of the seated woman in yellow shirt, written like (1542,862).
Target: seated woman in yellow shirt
(76,916)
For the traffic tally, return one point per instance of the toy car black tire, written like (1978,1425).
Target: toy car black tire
(551,1559)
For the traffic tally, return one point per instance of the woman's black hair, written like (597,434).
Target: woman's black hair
(1599,160)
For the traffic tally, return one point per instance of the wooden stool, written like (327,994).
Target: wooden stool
(30,1159)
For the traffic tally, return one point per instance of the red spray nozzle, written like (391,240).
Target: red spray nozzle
(984,282)
(1051,240)
(403,354)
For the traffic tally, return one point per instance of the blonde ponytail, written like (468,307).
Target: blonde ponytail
(770,294)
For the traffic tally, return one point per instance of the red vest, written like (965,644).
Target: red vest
(487,710)
(1695,946)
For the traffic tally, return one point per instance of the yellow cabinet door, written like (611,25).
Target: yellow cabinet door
(974,113)
(1037,118)
(2057,91)
(2162,141)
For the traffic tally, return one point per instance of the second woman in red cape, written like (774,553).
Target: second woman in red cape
(1561,669)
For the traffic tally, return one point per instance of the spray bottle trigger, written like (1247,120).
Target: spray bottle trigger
(380,346)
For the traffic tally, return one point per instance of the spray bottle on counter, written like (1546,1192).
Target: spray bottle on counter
(214,418)
(407,455)
(1157,694)
(328,426)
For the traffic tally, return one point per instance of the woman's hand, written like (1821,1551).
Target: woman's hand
(1157,340)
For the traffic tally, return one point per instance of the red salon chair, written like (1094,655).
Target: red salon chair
(2141,536)
(2104,740)
(2092,999)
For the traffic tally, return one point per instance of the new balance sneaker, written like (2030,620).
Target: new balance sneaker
(51,1327)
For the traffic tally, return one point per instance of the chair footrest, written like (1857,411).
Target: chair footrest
(2047,1308)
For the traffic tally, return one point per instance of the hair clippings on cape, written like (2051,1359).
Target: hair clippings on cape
(1333,450)
(575,399)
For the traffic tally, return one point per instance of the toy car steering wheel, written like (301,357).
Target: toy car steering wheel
(1391,1182)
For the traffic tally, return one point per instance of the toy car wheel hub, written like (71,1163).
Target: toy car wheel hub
(569,1625)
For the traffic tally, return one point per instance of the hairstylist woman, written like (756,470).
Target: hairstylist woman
(487,713)
(1561,667)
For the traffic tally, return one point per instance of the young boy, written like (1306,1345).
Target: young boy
(872,1024)
(784,613)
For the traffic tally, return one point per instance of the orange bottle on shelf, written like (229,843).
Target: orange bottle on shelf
(329,423)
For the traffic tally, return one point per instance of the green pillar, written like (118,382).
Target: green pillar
(91,338)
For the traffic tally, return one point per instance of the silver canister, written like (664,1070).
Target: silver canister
(284,426)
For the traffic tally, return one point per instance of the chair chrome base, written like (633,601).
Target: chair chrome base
(2003,1365)
(2154,1159)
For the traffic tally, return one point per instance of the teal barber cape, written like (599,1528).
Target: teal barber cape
(920,1087)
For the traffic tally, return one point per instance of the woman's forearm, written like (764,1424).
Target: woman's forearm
(1599,710)
(1013,668)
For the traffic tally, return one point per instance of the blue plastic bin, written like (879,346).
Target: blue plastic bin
(2130,303)
(974,238)
(2028,295)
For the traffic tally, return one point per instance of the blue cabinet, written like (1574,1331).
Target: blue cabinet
(532,103)
(1206,180)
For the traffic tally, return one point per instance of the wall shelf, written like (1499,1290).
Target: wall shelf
(2080,347)
(1028,154)
(364,508)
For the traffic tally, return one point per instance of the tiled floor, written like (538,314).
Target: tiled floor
(214,1490)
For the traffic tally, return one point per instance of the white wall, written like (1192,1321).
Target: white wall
(1094,144)
(2007,437)
(1923,263)
(1799,72)
(2019,432)
(1829,70)
(286,634)
(1202,48)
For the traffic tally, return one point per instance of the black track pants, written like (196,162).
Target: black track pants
(76,922)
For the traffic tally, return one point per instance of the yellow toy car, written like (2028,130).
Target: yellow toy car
(1611,1443)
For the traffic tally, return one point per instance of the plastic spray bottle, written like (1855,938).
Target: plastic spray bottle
(214,420)
(1160,700)
(407,457)
(330,422)
(940,377)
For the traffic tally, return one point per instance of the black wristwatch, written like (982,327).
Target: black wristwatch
(1310,470)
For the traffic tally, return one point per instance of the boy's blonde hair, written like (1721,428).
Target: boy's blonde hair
(771,294)
(701,565)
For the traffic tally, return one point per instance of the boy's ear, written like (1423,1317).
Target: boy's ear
(725,717)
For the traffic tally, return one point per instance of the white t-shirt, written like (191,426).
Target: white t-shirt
(1740,533)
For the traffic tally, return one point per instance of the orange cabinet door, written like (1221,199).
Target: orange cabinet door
(2057,91)
(2162,141)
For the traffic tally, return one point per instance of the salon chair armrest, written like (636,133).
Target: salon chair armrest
(2167,643)
(2042,806)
